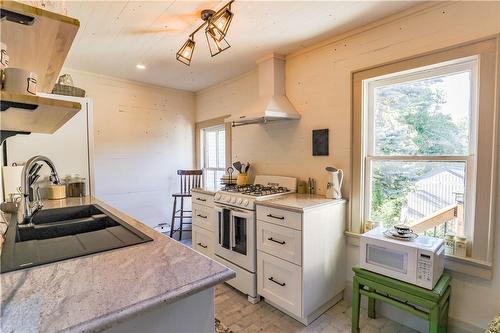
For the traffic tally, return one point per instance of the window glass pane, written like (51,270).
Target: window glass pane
(405,192)
(209,178)
(218,176)
(211,149)
(423,117)
(222,149)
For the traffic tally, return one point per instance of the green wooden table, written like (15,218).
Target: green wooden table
(431,305)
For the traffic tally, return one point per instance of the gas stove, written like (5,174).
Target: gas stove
(256,190)
(265,187)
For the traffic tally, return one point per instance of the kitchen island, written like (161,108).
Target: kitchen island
(153,287)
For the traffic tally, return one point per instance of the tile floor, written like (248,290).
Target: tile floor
(235,312)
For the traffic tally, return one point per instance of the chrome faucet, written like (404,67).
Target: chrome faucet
(28,176)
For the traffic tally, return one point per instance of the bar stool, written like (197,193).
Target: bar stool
(189,180)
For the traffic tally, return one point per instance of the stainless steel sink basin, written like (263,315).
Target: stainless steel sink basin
(65,233)
(54,223)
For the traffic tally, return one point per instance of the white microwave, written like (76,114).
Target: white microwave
(419,262)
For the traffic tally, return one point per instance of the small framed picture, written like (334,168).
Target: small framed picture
(320,142)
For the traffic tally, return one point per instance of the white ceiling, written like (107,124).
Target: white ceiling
(116,35)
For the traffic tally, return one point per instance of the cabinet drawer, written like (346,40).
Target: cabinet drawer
(203,241)
(279,282)
(280,217)
(284,243)
(204,216)
(202,199)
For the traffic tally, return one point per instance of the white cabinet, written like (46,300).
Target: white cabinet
(203,241)
(203,216)
(301,258)
(279,281)
(203,223)
(281,242)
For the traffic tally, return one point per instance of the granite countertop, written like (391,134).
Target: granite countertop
(299,202)
(204,190)
(91,293)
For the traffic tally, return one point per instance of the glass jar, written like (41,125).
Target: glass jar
(75,186)
(449,244)
(461,246)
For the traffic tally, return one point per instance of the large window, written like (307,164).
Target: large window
(424,147)
(213,155)
(420,147)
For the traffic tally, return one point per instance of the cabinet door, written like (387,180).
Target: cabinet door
(203,241)
(280,217)
(282,242)
(280,282)
(203,216)
(202,199)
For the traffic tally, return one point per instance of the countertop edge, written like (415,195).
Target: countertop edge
(270,203)
(107,321)
(203,191)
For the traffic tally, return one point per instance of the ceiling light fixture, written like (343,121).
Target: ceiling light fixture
(217,24)
(140,66)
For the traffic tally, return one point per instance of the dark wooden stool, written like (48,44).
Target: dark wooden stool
(189,180)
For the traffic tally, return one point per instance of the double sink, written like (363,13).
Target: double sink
(64,233)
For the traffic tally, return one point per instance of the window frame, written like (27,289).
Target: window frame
(487,145)
(462,65)
(200,150)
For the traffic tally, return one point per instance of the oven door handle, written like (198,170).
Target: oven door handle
(219,208)
(232,239)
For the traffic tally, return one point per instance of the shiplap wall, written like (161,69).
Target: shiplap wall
(318,82)
(142,135)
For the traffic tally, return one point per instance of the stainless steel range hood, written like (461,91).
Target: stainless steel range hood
(272,105)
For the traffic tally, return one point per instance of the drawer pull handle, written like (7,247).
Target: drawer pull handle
(276,241)
(203,246)
(202,216)
(276,217)
(200,199)
(277,282)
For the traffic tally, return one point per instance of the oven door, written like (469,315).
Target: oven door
(236,236)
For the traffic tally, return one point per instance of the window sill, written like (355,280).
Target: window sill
(469,266)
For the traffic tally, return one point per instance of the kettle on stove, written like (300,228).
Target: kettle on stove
(334,185)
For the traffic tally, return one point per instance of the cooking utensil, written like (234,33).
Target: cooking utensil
(34,169)
(237,165)
(230,171)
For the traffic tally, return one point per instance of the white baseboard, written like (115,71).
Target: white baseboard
(454,325)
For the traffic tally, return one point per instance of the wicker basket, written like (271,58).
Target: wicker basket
(61,89)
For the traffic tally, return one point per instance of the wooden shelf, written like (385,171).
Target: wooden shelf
(41,47)
(34,113)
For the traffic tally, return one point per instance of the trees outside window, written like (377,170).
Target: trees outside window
(419,144)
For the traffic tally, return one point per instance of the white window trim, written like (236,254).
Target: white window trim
(204,155)
(467,64)
(488,113)
(199,126)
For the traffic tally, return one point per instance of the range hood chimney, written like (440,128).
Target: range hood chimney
(272,104)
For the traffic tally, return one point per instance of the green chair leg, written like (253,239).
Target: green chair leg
(371,306)
(434,320)
(356,298)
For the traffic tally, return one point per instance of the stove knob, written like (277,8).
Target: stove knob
(217,196)
(227,199)
(233,200)
(240,200)
(245,202)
